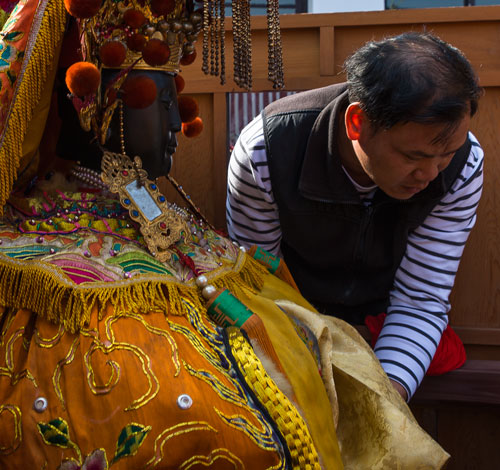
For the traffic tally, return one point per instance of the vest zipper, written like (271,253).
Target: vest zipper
(365,221)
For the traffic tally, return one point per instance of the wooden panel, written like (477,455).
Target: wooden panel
(475,298)
(469,433)
(220,158)
(326,50)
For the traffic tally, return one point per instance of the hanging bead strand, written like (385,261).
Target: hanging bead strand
(222,36)
(206,32)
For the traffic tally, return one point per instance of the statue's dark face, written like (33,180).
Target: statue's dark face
(149,133)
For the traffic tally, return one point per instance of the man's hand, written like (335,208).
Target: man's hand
(400,389)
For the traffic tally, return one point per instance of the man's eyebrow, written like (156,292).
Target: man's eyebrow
(419,153)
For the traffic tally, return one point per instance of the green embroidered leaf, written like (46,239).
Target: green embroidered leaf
(13,36)
(129,440)
(55,433)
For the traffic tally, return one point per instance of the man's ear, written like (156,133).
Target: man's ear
(355,119)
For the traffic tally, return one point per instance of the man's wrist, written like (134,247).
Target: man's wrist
(400,389)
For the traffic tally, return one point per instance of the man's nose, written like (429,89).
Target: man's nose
(428,169)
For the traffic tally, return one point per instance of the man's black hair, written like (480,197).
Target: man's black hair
(413,77)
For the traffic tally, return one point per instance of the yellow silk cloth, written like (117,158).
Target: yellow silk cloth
(376,430)
(113,389)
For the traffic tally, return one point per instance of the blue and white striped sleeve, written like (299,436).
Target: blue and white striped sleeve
(251,211)
(419,305)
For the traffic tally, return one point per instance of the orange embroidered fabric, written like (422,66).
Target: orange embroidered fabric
(148,390)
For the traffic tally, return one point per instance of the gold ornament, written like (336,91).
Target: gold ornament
(160,226)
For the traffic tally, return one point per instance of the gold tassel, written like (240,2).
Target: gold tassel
(50,295)
(28,94)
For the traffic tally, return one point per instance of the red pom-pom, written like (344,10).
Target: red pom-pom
(134,18)
(113,53)
(193,128)
(188,108)
(83,78)
(136,42)
(162,7)
(156,52)
(188,58)
(139,91)
(82,8)
(179,83)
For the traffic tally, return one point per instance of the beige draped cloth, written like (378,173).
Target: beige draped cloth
(375,427)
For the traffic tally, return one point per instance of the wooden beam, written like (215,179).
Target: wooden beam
(475,382)
(485,336)
(326,50)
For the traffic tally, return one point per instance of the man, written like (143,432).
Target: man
(368,190)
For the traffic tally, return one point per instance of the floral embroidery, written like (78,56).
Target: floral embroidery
(56,433)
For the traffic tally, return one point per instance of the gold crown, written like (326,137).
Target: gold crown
(154,34)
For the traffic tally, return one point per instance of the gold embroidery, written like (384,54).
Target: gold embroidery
(9,314)
(17,429)
(49,342)
(208,460)
(224,392)
(264,439)
(113,379)
(174,431)
(198,345)
(145,360)
(58,371)
(9,361)
(154,330)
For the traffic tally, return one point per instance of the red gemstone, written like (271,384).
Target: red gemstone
(163,225)
(125,173)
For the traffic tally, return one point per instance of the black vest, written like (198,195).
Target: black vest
(342,254)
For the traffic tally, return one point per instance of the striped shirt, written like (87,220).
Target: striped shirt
(419,300)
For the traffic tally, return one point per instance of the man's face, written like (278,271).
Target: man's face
(403,160)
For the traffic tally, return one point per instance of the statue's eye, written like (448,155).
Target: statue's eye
(166,98)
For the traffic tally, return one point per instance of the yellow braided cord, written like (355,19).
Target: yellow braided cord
(289,422)
(28,94)
(50,294)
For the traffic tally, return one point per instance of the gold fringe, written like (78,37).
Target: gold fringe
(42,291)
(28,94)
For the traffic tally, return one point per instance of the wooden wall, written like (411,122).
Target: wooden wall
(314,48)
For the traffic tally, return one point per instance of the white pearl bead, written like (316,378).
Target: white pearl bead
(208,291)
(201,281)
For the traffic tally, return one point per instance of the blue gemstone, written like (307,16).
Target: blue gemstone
(135,213)
(161,198)
(127,201)
(152,186)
